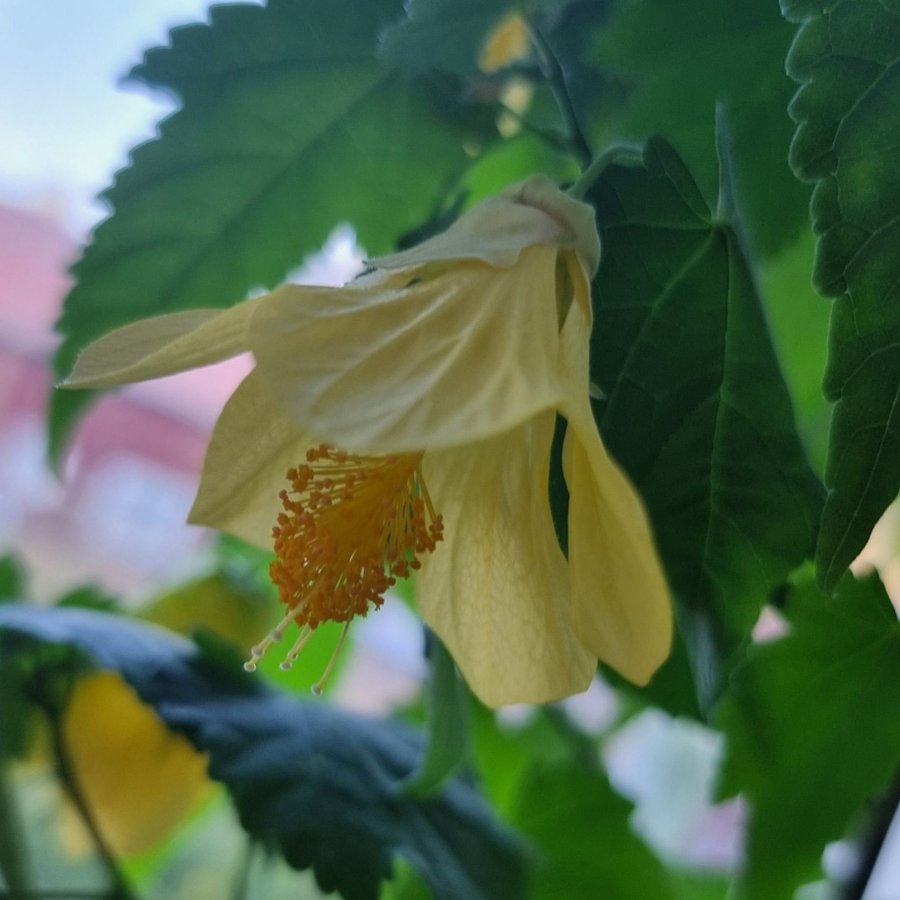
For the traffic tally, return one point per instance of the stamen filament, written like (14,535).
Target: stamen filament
(351,525)
(317,687)
(305,634)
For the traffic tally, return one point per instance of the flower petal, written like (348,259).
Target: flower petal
(252,447)
(496,590)
(577,219)
(497,230)
(162,345)
(623,610)
(391,365)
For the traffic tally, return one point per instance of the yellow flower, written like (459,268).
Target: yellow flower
(427,391)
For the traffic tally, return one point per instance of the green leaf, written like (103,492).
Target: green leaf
(794,309)
(696,409)
(515,160)
(448,722)
(846,56)
(812,730)
(322,786)
(594,854)
(15,732)
(289,126)
(13,578)
(673,62)
(13,852)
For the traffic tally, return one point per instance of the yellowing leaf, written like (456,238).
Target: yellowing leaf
(140,780)
(508,42)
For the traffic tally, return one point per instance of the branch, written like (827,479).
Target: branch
(556,78)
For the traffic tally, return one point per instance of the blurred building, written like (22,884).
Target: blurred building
(116,515)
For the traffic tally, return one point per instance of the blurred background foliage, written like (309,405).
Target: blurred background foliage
(749,165)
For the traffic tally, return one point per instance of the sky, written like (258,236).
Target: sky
(66,121)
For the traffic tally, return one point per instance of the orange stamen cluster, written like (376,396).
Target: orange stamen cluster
(351,526)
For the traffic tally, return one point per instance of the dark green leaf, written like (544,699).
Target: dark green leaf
(696,408)
(448,722)
(15,732)
(813,730)
(799,323)
(594,854)
(846,56)
(13,853)
(674,62)
(324,787)
(289,126)
(89,596)
(12,578)
(443,34)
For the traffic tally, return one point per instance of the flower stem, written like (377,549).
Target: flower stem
(616,153)
(241,887)
(120,889)
(556,78)
(13,851)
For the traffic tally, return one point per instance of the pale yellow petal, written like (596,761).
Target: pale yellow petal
(494,231)
(252,447)
(139,779)
(162,345)
(496,589)
(623,610)
(576,219)
(497,230)
(454,358)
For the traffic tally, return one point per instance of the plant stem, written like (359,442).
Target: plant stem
(556,78)
(241,888)
(882,817)
(13,852)
(121,889)
(616,153)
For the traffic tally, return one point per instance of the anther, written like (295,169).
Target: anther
(350,526)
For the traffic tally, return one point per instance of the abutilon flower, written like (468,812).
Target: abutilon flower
(405,421)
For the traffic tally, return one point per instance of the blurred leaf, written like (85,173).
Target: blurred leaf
(443,34)
(89,596)
(514,160)
(289,126)
(234,608)
(136,804)
(675,62)
(405,885)
(812,730)
(696,409)
(15,731)
(672,687)
(324,787)
(698,885)
(12,578)
(26,670)
(13,852)
(448,722)
(586,848)
(846,56)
